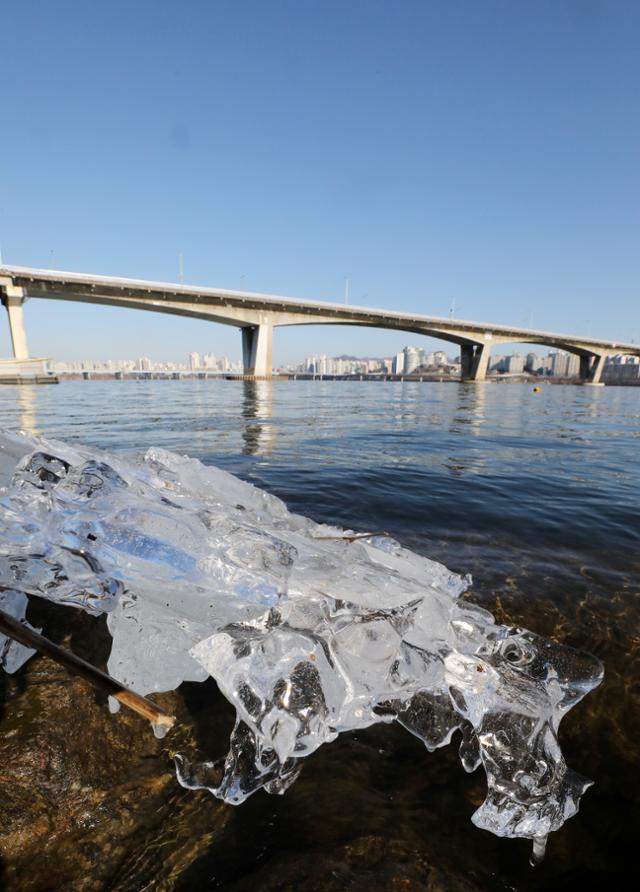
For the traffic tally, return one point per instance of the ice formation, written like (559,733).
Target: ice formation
(308,633)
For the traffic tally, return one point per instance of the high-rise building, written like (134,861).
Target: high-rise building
(411,360)
(194,361)
(544,364)
(573,365)
(209,361)
(439,358)
(514,364)
(559,364)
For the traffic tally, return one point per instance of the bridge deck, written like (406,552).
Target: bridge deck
(283,310)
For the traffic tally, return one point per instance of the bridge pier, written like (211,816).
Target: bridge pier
(591,368)
(257,350)
(474,360)
(13,300)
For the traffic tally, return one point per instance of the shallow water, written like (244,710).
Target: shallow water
(535,494)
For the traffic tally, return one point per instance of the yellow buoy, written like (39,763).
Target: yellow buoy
(536,389)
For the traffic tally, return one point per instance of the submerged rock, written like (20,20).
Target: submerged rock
(307,631)
(80,791)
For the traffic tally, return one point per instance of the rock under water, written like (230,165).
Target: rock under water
(307,631)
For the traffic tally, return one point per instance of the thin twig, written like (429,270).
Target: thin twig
(20,632)
(352,536)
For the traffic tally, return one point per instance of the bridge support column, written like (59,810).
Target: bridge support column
(474,360)
(257,350)
(591,368)
(13,301)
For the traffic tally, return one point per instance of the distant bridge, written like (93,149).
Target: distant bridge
(256,315)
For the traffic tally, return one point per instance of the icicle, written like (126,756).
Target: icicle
(538,849)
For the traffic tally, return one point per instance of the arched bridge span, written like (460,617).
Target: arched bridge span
(258,314)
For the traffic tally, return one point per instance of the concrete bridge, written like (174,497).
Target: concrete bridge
(256,315)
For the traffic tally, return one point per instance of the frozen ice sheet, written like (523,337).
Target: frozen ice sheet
(306,632)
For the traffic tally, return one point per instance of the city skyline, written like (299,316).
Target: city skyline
(410,360)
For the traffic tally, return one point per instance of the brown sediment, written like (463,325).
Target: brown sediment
(27,636)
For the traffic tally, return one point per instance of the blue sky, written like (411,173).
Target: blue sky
(482,152)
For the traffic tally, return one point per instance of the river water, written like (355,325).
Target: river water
(535,494)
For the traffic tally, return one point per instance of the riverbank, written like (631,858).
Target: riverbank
(423,378)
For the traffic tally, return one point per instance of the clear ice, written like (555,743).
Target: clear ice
(307,633)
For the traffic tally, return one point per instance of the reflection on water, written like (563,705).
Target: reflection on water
(469,416)
(27,405)
(257,407)
(536,495)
